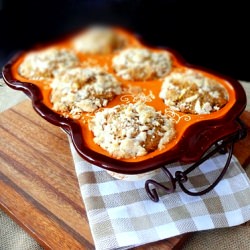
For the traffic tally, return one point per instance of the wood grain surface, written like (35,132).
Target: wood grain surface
(39,187)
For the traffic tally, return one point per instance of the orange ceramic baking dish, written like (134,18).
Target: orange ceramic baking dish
(195,134)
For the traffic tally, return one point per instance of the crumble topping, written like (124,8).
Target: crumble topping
(141,64)
(45,64)
(191,92)
(131,130)
(80,90)
(99,40)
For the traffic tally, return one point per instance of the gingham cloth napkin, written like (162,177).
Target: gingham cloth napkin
(121,215)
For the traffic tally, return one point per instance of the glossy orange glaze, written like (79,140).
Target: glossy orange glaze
(150,94)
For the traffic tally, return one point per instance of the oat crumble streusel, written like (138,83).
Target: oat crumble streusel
(99,40)
(141,64)
(79,90)
(191,92)
(45,64)
(131,130)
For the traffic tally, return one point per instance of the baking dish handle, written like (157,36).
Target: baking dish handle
(227,145)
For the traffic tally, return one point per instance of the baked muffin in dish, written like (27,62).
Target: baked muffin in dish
(141,64)
(45,64)
(99,40)
(193,93)
(131,130)
(80,90)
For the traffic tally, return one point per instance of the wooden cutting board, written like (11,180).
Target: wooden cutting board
(39,187)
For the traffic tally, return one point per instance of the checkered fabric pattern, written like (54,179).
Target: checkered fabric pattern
(121,215)
(9,97)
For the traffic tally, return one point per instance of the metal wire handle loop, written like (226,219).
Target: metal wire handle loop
(181,176)
(152,193)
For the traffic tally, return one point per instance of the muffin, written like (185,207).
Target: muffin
(99,40)
(79,90)
(141,64)
(193,93)
(45,64)
(131,130)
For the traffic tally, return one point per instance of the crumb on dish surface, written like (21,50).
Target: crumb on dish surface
(79,90)
(193,93)
(141,64)
(131,130)
(99,40)
(45,64)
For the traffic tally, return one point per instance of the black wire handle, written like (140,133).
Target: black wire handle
(152,193)
(181,176)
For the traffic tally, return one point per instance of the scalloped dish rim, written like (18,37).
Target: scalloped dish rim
(196,139)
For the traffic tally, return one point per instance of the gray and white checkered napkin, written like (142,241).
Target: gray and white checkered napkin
(121,215)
